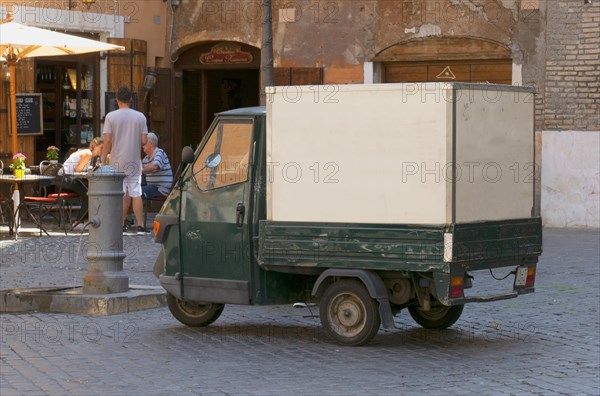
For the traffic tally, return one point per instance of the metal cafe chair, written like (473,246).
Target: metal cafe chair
(69,198)
(47,203)
(148,205)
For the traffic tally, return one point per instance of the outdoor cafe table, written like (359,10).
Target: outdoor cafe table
(16,198)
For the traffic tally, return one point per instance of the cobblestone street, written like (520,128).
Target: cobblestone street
(543,343)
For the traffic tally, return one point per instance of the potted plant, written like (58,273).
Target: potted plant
(52,153)
(18,167)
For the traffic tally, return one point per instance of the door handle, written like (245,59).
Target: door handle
(240,211)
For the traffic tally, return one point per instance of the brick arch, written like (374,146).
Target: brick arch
(189,56)
(446,48)
(191,41)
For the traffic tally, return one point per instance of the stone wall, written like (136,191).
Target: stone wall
(572,92)
(571,137)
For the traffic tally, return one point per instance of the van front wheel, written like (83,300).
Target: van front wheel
(348,313)
(194,314)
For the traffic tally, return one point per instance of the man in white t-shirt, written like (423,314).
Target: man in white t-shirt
(125,132)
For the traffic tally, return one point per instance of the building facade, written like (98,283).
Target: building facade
(77,90)
(203,56)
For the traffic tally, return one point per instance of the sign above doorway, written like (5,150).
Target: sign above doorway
(226,53)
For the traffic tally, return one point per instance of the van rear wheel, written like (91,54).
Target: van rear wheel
(438,317)
(192,313)
(348,313)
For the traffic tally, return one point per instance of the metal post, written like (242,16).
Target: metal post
(105,250)
(266,51)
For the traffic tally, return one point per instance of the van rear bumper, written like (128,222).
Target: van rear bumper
(495,297)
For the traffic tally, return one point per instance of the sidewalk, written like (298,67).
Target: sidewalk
(59,260)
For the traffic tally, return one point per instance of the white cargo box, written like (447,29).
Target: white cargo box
(426,153)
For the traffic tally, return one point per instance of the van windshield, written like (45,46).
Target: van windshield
(231,139)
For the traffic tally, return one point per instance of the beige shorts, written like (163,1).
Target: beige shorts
(132,186)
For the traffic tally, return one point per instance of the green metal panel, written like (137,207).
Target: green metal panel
(398,247)
(213,246)
(365,246)
(497,240)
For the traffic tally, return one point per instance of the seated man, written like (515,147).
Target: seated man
(156,169)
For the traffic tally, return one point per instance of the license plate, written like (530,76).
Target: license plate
(521,277)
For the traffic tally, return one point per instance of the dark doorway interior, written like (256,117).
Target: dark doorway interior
(191,122)
(206,92)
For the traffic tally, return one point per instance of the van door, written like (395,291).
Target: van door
(213,219)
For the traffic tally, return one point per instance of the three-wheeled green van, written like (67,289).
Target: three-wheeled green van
(368,198)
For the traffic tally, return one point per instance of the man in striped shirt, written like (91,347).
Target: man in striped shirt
(156,169)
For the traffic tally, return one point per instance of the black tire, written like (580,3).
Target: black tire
(438,316)
(348,313)
(194,314)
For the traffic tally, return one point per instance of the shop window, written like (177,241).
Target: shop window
(70,108)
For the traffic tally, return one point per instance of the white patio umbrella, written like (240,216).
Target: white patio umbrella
(19,41)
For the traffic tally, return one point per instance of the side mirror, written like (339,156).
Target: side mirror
(213,160)
(187,155)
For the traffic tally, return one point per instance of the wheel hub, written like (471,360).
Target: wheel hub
(194,309)
(348,314)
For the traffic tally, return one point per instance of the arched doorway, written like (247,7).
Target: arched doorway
(446,59)
(215,76)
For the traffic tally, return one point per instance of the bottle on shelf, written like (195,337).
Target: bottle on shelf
(66,109)
(88,79)
(65,84)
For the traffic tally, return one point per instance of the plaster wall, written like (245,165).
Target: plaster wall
(342,33)
(571,178)
(148,20)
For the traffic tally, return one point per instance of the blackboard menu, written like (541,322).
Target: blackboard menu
(29,114)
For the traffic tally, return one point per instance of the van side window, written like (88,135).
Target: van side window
(231,140)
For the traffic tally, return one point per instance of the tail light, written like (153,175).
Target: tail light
(530,277)
(456,287)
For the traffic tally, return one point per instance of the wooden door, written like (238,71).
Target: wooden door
(160,113)
(496,71)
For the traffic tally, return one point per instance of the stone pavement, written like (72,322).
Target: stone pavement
(543,343)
